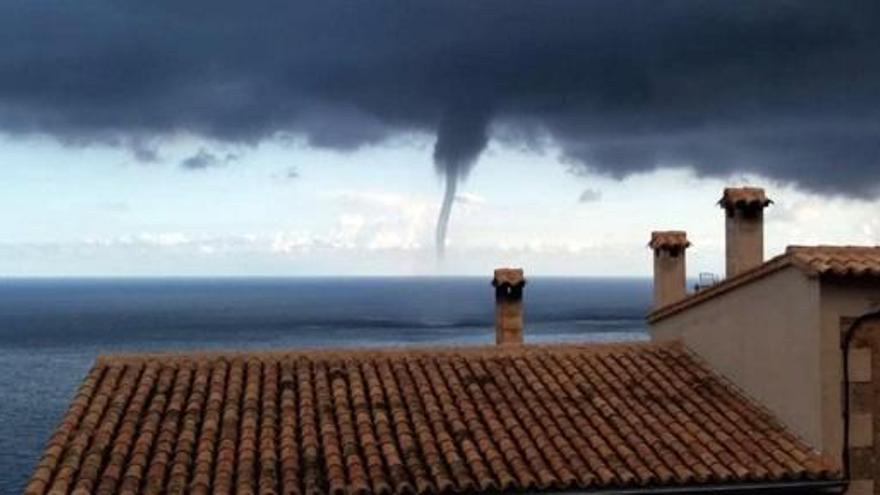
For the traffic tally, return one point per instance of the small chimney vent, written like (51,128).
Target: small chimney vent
(508,283)
(744,229)
(669,266)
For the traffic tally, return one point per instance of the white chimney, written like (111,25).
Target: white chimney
(670,270)
(744,231)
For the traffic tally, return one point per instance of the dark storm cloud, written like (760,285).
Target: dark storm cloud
(143,152)
(204,159)
(787,89)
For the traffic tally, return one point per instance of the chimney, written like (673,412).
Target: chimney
(669,266)
(744,230)
(508,283)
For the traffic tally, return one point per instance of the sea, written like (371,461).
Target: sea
(51,330)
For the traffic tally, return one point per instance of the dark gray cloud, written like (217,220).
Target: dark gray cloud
(144,152)
(204,159)
(590,196)
(788,89)
(287,174)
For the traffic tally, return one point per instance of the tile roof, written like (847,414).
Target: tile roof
(669,239)
(414,421)
(750,197)
(859,262)
(841,261)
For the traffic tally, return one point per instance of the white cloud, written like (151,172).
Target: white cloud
(469,199)
(392,241)
(377,220)
(385,223)
(149,239)
(800,218)
(290,242)
(349,231)
(371,199)
(871,230)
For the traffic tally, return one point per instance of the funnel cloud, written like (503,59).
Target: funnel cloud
(461,137)
(787,90)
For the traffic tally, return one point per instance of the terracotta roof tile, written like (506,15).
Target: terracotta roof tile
(842,261)
(425,421)
(859,262)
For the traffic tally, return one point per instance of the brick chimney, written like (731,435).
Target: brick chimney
(669,266)
(744,231)
(508,283)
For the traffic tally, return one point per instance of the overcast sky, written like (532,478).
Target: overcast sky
(219,138)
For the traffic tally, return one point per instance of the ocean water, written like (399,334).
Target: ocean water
(52,330)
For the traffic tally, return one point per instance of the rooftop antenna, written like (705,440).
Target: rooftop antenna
(705,280)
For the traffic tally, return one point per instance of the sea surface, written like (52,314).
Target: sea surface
(51,330)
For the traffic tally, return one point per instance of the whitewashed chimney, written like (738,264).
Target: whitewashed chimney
(670,269)
(744,229)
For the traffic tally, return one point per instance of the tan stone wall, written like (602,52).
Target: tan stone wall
(864,407)
(509,284)
(842,301)
(764,337)
(508,321)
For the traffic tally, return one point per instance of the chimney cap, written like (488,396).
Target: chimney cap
(669,239)
(744,197)
(512,277)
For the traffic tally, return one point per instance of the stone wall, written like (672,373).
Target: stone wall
(864,407)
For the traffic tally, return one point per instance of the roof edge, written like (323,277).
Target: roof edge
(768,267)
(389,351)
(823,261)
(745,396)
(813,486)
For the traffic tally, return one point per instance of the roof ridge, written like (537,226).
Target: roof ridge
(373,352)
(778,262)
(840,247)
(832,260)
